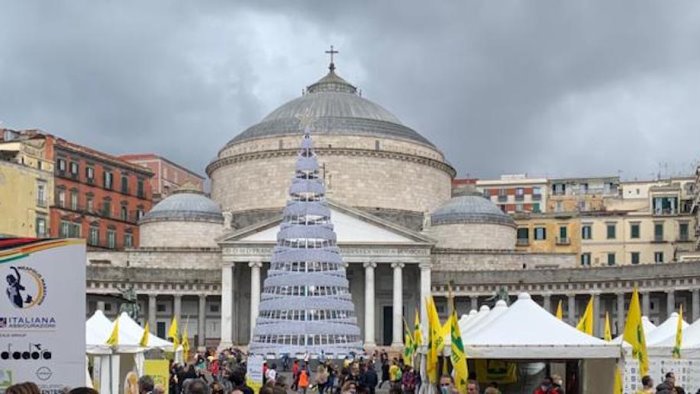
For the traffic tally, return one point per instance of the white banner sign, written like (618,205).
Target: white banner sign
(42,314)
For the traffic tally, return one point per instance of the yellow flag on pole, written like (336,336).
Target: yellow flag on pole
(679,335)
(457,355)
(417,332)
(434,336)
(145,336)
(172,333)
(185,344)
(113,339)
(634,334)
(586,322)
(617,384)
(560,311)
(608,333)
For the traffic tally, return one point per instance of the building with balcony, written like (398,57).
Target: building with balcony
(516,193)
(581,194)
(94,195)
(26,187)
(167,175)
(548,232)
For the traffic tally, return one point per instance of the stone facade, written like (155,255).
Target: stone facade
(355,175)
(482,236)
(455,260)
(183,234)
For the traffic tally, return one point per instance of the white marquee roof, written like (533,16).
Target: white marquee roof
(98,329)
(665,330)
(527,331)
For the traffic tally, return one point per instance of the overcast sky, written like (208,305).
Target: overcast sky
(548,88)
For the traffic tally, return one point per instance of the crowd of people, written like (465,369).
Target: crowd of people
(224,372)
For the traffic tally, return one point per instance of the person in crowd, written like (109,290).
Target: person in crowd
(271,373)
(145,384)
(196,386)
(23,388)
(303,380)
(369,378)
(548,387)
(385,369)
(409,381)
(647,385)
(321,378)
(395,375)
(216,388)
(472,387)
(295,374)
(349,387)
(157,389)
(668,385)
(131,383)
(446,385)
(238,380)
(83,390)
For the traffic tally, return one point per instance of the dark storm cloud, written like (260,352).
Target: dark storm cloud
(545,87)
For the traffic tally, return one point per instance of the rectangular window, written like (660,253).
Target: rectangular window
(586,231)
(139,189)
(128,240)
(61,164)
(74,169)
(40,226)
(94,235)
(519,207)
(540,233)
(41,194)
(125,184)
(107,179)
(64,230)
(214,308)
(634,230)
(74,230)
(90,174)
(563,232)
(683,232)
(74,200)
(536,193)
(536,207)
(123,213)
(611,258)
(519,193)
(634,258)
(523,236)
(90,204)
(586,259)
(611,231)
(658,257)
(107,209)
(111,239)
(658,232)
(61,199)
(160,308)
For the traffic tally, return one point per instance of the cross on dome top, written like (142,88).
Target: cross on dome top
(332,52)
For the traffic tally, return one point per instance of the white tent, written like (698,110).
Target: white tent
(132,333)
(527,331)
(97,329)
(648,328)
(497,311)
(483,312)
(665,330)
(690,345)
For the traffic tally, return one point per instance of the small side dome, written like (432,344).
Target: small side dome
(185,205)
(472,222)
(470,208)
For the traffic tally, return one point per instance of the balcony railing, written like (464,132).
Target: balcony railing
(563,240)
(519,197)
(115,213)
(536,197)
(41,202)
(665,212)
(658,238)
(523,241)
(502,198)
(683,238)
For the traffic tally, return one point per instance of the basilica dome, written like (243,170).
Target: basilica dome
(472,222)
(188,218)
(369,159)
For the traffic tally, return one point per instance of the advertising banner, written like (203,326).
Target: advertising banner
(159,371)
(42,313)
(254,374)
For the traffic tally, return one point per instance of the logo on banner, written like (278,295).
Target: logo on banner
(34,351)
(25,287)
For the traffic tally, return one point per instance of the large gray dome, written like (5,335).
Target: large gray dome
(338,108)
(187,205)
(470,209)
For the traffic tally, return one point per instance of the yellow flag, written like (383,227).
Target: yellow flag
(408,346)
(172,333)
(434,336)
(679,335)
(185,345)
(458,356)
(617,385)
(586,322)
(634,334)
(560,311)
(608,333)
(417,333)
(145,336)
(113,339)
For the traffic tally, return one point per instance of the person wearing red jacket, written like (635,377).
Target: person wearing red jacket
(548,387)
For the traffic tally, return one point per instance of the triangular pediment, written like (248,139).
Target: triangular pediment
(351,226)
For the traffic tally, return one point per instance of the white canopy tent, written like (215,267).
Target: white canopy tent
(492,315)
(665,330)
(690,346)
(526,331)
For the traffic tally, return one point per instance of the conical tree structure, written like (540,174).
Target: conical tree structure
(305,303)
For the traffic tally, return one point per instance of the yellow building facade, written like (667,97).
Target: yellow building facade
(548,233)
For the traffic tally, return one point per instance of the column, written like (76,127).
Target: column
(424,294)
(369,304)
(620,312)
(571,305)
(397,308)
(596,314)
(226,305)
(695,304)
(473,303)
(645,303)
(101,306)
(670,302)
(254,293)
(201,319)
(547,304)
(152,312)
(177,310)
